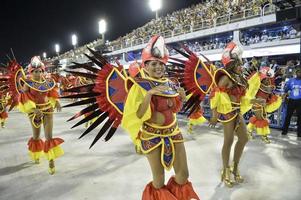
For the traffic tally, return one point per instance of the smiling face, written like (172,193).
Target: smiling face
(155,69)
(237,69)
(37,74)
(266,81)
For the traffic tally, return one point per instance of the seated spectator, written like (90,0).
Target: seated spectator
(292,33)
(264,37)
(274,65)
(289,70)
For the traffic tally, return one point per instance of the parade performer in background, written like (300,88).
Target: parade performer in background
(81,81)
(37,97)
(259,121)
(4,97)
(196,118)
(231,98)
(146,107)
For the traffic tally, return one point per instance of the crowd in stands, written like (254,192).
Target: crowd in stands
(195,46)
(182,21)
(186,19)
(287,32)
(206,44)
(219,42)
(285,68)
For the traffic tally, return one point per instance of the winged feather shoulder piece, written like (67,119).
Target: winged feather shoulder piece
(13,81)
(107,97)
(194,75)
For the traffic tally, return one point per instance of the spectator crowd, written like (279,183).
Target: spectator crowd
(186,19)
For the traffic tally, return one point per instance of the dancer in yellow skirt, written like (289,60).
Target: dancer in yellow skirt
(152,114)
(145,104)
(4,97)
(38,97)
(196,118)
(231,98)
(259,122)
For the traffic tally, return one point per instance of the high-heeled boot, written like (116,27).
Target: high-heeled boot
(51,168)
(226,177)
(265,139)
(190,128)
(235,171)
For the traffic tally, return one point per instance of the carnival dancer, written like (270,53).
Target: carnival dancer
(196,118)
(81,82)
(38,97)
(146,108)
(259,122)
(231,98)
(4,97)
(159,137)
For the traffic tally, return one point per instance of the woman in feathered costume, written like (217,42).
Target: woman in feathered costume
(145,105)
(231,98)
(3,104)
(159,137)
(259,121)
(5,98)
(38,97)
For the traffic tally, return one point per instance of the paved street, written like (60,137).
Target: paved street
(112,170)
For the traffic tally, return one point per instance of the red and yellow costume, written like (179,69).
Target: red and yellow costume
(231,97)
(115,100)
(147,136)
(228,109)
(241,93)
(32,95)
(273,102)
(42,96)
(5,99)
(3,104)
(196,118)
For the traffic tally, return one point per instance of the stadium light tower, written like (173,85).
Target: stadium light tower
(74,40)
(102,28)
(57,49)
(44,55)
(155,6)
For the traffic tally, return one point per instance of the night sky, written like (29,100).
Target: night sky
(31,27)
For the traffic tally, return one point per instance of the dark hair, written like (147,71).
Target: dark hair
(231,65)
(146,62)
(298,68)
